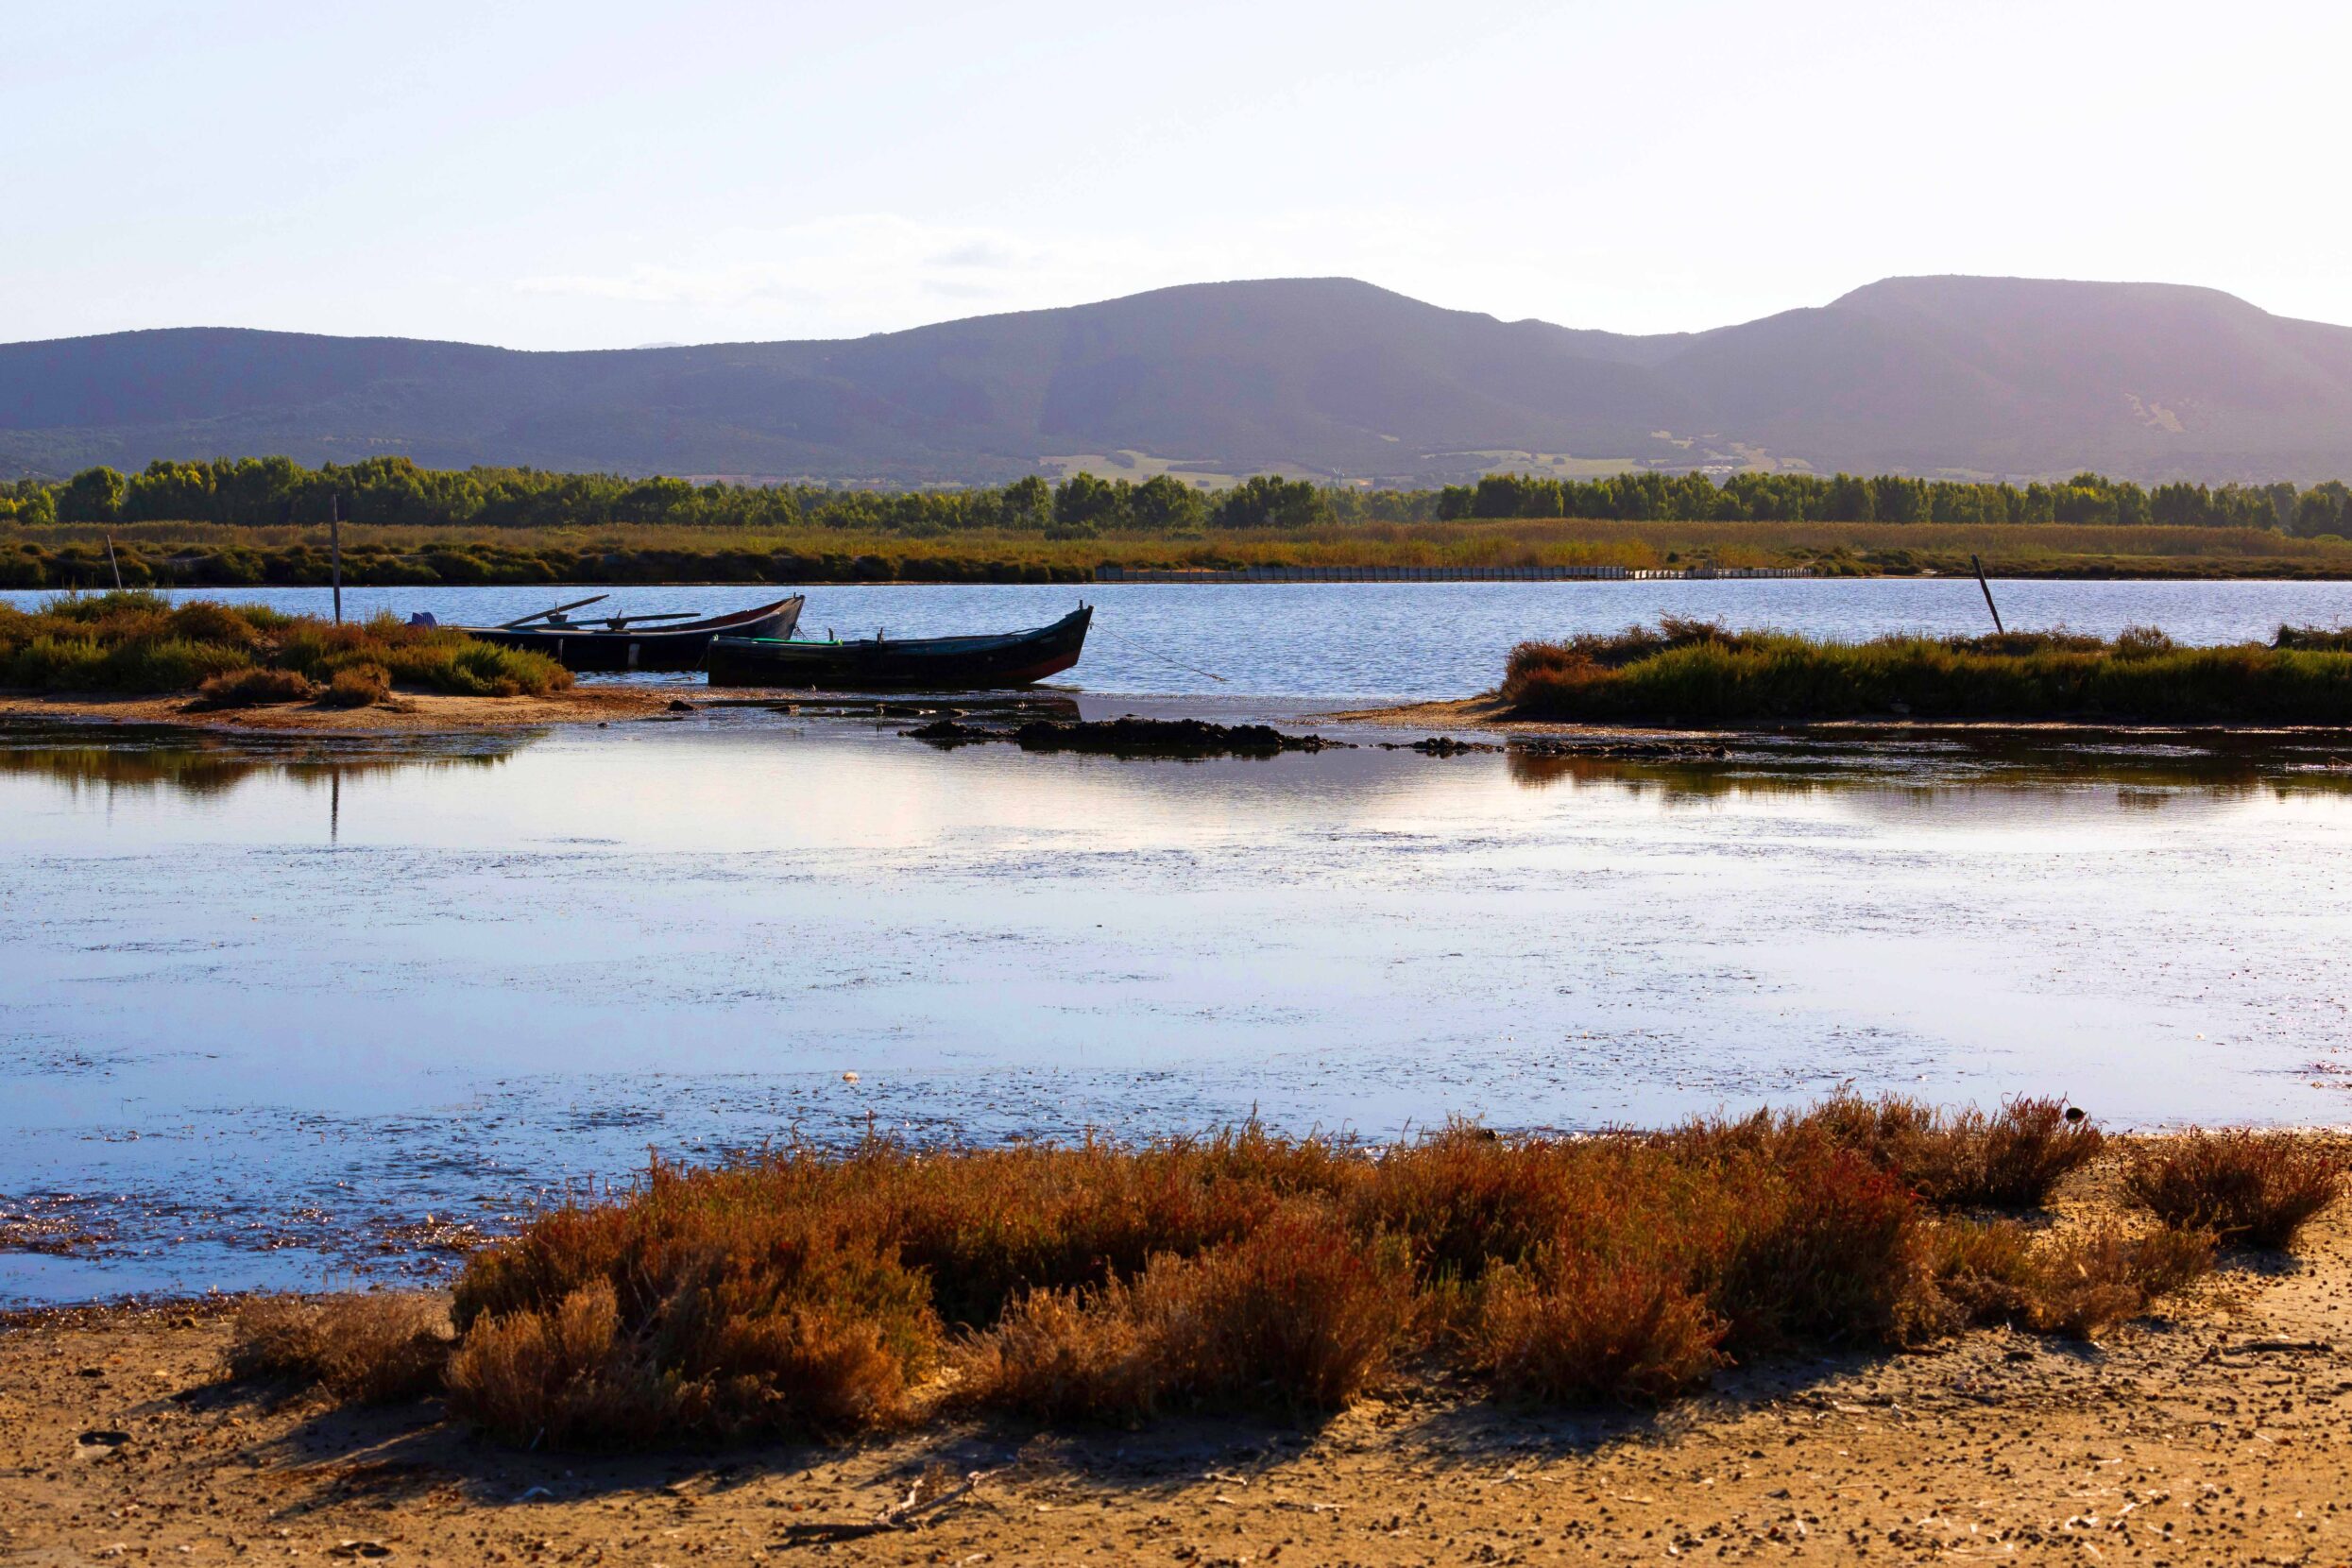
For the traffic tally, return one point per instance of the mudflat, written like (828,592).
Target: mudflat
(412,710)
(2220,1430)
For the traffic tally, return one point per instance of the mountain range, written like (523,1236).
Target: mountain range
(1964,377)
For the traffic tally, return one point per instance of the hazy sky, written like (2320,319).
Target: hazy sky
(585,174)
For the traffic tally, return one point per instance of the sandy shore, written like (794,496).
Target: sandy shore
(2220,1433)
(413,711)
(1490,715)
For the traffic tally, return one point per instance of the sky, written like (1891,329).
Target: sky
(588,174)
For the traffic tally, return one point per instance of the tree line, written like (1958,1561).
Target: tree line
(261,491)
(2087,498)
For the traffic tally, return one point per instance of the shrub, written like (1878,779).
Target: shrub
(990,1225)
(1060,1355)
(51,663)
(1698,672)
(723,1320)
(367,1350)
(255,687)
(561,1375)
(1823,1246)
(2253,1189)
(2079,1284)
(1296,1314)
(223,625)
(2010,1159)
(452,663)
(1463,1199)
(1624,1332)
(169,664)
(357,685)
(2086,1285)
(806,1291)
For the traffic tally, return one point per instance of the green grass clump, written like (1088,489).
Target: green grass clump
(1698,671)
(135,642)
(255,686)
(358,686)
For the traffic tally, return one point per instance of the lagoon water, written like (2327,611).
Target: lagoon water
(1372,640)
(266,1006)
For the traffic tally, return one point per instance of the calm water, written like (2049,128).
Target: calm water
(263,1006)
(1398,639)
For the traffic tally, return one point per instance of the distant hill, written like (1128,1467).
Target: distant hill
(1979,376)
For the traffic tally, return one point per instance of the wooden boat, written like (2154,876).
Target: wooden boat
(879,662)
(638,642)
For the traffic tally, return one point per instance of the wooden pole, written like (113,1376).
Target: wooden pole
(112,562)
(1988,595)
(334,533)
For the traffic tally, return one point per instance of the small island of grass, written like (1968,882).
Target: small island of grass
(1694,671)
(130,643)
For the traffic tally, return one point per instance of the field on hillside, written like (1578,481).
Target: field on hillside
(166,553)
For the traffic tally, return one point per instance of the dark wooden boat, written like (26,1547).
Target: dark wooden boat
(636,641)
(928,663)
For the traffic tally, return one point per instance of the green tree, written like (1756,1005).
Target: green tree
(2323,509)
(1028,502)
(1848,499)
(1165,506)
(1085,501)
(93,495)
(1268,501)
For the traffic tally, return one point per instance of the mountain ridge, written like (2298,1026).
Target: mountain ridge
(1333,377)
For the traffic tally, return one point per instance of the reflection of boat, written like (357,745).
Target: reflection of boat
(929,663)
(629,641)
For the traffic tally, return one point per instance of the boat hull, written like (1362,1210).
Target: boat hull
(930,664)
(683,647)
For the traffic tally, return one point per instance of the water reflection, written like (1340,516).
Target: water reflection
(2133,779)
(147,758)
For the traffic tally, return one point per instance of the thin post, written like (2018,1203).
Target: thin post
(334,534)
(1988,594)
(112,562)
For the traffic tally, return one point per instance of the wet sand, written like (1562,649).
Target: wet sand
(413,711)
(1487,714)
(2222,1432)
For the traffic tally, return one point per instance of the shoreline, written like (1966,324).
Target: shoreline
(2219,1427)
(418,712)
(1484,715)
(1487,713)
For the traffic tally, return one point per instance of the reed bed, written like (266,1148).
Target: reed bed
(805,1292)
(1699,672)
(244,654)
(221,554)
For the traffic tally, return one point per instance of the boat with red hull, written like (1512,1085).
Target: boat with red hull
(883,663)
(630,643)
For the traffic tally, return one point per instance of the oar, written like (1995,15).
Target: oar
(617,622)
(510,625)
